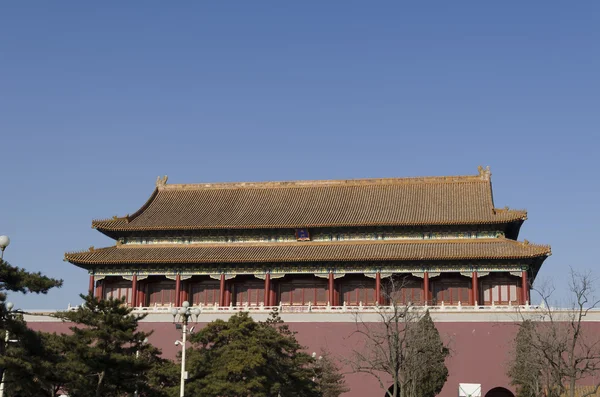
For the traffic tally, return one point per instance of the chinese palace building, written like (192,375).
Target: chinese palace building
(324,251)
(331,243)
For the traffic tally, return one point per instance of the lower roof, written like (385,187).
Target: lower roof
(456,249)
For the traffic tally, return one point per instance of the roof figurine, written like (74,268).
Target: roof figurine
(161,182)
(484,173)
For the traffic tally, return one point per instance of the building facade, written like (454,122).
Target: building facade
(317,243)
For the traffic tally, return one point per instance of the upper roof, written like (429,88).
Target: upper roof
(452,200)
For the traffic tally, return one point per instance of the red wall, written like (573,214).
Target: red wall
(480,350)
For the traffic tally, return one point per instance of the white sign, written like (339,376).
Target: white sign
(469,390)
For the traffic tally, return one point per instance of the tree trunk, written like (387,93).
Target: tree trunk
(99,386)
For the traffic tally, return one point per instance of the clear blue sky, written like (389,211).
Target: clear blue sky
(98,99)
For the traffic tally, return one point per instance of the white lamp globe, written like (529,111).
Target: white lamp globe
(9,306)
(185,304)
(4,242)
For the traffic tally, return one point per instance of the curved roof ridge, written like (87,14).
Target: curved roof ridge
(324,182)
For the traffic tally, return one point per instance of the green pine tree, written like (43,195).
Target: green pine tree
(526,369)
(242,357)
(330,381)
(47,369)
(425,366)
(13,357)
(101,352)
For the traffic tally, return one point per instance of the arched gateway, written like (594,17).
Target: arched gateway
(499,392)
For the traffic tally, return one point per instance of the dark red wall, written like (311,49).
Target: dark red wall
(480,351)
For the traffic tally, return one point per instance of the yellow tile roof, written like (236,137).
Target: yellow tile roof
(497,248)
(340,203)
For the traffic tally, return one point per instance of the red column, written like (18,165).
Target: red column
(426,288)
(100,289)
(177,290)
(185,296)
(222,291)
(228,290)
(134,289)
(273,294)
(141,293)
(331,296)
(475,297)
(524,287)
(91,287)
(267,289)
(378,287)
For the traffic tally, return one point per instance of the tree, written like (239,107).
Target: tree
(403,346)
(425,362)
(526,370)
(102,351)
(162,377)
(560,349)
(15,279)
(46,371)
(242,357)
(328,378)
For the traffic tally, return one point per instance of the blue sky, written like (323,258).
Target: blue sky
(98,99)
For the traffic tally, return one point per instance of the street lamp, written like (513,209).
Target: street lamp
(137,356)
(8,306)
(4,242)
(184,313)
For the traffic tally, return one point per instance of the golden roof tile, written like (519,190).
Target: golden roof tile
(453,200)
(496,248)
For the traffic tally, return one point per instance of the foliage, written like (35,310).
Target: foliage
(330,381)
(14,357)
(425,367)
(241,357)
(404,346)
(557,348)
(15,279)
(39,366)
(162,377)
(526,369)
(101,351)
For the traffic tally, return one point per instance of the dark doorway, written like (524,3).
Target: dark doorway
(499,392)
(391,390)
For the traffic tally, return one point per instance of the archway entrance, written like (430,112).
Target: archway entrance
(499,392)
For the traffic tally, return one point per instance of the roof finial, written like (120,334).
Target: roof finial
(160,182)
(484,173)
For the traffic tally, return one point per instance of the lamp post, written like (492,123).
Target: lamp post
(184,313)
(137,356)
(9,306)
(4,242)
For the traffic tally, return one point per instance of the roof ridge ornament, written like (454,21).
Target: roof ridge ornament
(484,173)
(161,182)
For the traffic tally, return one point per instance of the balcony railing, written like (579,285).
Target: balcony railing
(442,308)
